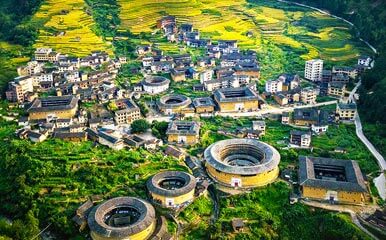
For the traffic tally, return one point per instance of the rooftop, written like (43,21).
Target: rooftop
(235,94)
(183,127)
(332,174)
(53,104)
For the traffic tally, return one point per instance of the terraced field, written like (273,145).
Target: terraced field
(66,27)
(305,32)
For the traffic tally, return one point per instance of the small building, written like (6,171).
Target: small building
(203,105)
(259,126)
(236,99)
(281,99)
(175,152)
(53,107)
(134,141)
(127,111)
(71,136)
(178,75)
(285,118)
(308,95)
(346,111)
(183,132)
(36,137)
(110,141)
(300,138)
(206,76)
(336,89)
(332,180)
(306,116)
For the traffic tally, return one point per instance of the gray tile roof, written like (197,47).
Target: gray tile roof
(355,181)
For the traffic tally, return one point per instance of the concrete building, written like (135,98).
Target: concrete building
(313,70)
(46,55)
(172,189)
(236,99)
(19,88)
(206,76)
(285,82)
(332,180)
(155,84)
(242,163)
(300,138)
(63,107)
(308,95)
(336,89)
(183,132)
(346,111)
(127,111)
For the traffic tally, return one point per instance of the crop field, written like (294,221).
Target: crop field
(67,27)
(271,27)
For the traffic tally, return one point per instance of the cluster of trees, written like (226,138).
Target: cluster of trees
(13,25)
(106,15)
(369,17)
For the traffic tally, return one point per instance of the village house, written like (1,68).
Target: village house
(206,76)
(346,111)
(300,138)
(178,75)
(46,55)
(110,141)
(71,136)
(127,111)
(305,116)
(259,126)
(340,78)
(332,180)
(203,105)
(308,95)
(232,81)
(175,152)
(134,141)
(349,71)
(236,99)
(336,89)
(53,107)
(19,88)
(285,118)
(183,132)
(284,83)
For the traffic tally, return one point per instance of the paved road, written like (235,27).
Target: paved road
(340,208)
(380,181)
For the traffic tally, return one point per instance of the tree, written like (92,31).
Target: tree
(139,126)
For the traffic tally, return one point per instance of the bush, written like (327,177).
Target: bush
(139,126)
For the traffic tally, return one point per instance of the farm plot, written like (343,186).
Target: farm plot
(67,27)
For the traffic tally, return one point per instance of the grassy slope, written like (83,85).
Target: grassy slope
(71,18)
